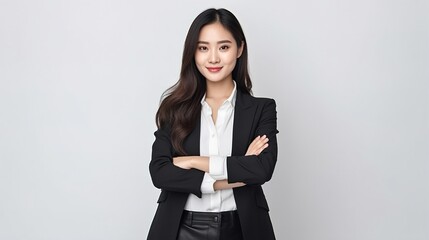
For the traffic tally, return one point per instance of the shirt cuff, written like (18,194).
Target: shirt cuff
(217,167)
(207,184)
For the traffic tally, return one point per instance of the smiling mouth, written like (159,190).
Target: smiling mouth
(214,69)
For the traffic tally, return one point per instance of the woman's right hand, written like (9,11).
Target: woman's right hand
(258,145)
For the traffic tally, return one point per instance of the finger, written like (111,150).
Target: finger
(262,139)
(261,143)
(257,143)
(262,148)
(257,139)
(254,142)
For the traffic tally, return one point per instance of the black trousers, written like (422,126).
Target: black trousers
(210,226)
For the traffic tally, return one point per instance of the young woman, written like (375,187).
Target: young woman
(216,143)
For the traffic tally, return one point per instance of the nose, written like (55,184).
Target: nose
(214,57)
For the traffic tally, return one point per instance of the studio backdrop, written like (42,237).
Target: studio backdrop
(80,83)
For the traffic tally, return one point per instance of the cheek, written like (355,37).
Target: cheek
(200,68)
(231,62)
(231,58)
(197,58)
(199,62)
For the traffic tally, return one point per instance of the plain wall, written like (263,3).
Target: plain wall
(80,83)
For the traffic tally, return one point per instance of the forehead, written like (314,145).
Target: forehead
(215,32)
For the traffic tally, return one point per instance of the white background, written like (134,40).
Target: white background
(80,83)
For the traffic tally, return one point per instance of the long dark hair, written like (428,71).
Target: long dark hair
(181,104)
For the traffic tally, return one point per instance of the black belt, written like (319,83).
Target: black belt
(214,217)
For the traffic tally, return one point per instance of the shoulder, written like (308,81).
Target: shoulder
(261,100)
(245,100)
(264,99)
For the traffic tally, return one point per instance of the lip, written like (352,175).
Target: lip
(214,69)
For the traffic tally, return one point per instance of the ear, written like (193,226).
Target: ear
(240,49)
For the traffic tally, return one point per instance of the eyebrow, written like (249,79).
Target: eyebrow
(220,42)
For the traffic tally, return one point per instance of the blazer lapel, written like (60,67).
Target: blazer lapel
(243,121)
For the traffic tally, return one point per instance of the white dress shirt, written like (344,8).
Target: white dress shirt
(215,142)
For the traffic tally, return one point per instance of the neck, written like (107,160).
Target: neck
(219,90)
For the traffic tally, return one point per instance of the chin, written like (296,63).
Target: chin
(211,78)
(215,80)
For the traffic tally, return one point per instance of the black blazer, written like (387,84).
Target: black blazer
(252,117)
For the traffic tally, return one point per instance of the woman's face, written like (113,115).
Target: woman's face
(217,53)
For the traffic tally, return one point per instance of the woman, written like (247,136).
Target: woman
(216,143)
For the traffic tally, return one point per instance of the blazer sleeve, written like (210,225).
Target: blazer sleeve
(165,175)
(252,169)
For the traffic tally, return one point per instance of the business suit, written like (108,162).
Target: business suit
(252,117)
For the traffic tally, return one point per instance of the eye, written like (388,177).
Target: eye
(202,48)
(224,47)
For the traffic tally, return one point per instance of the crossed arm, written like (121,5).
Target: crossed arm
(185,174)
(202,163)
